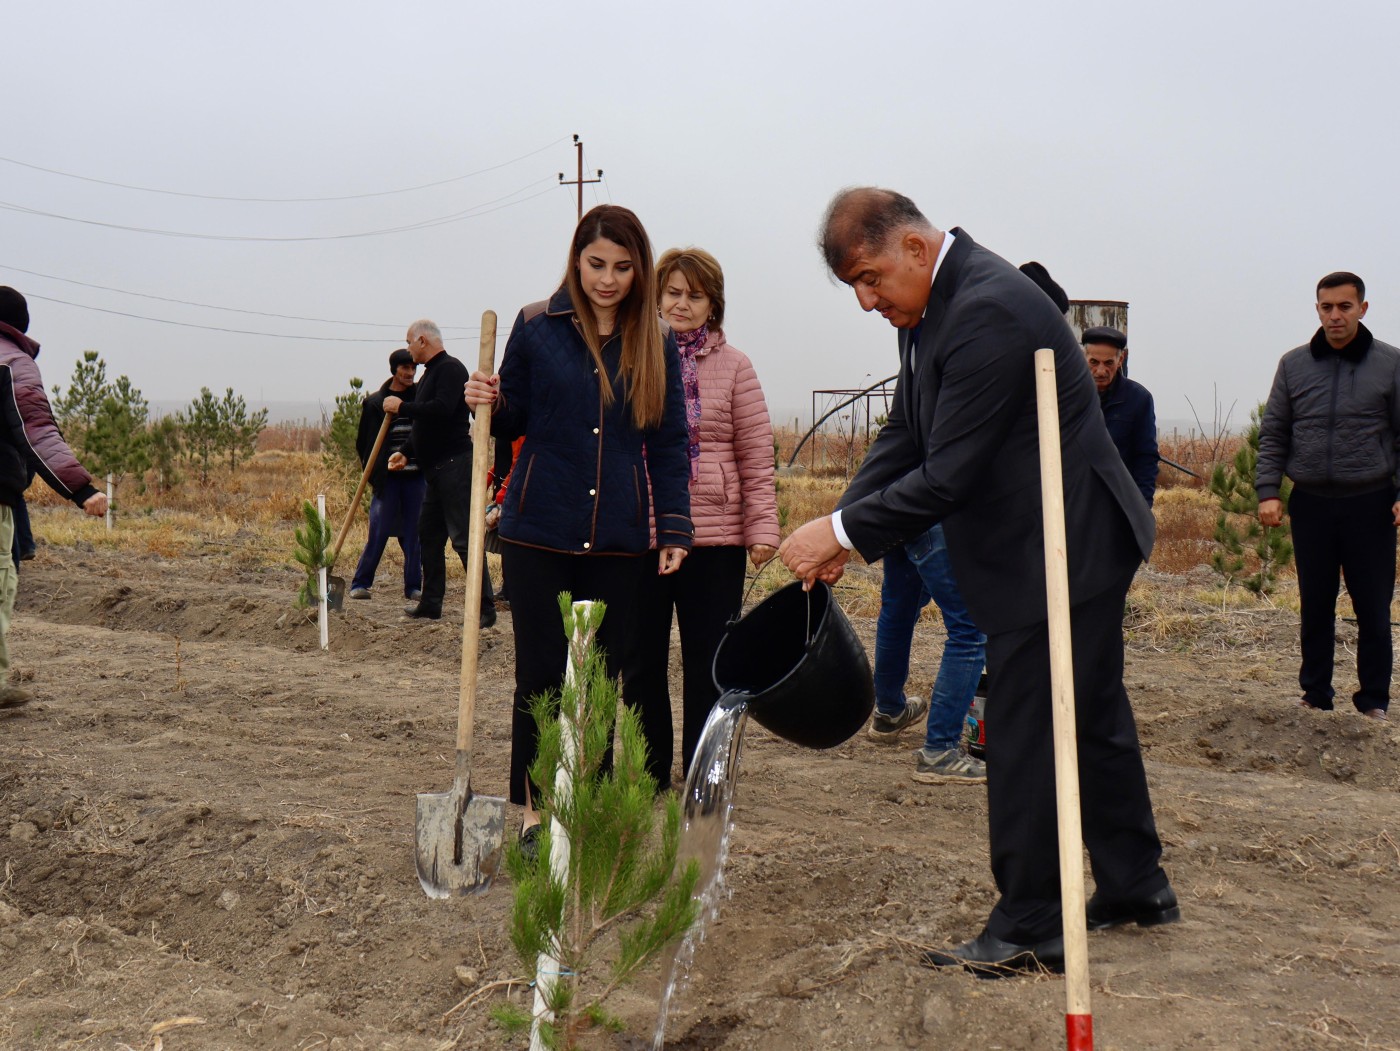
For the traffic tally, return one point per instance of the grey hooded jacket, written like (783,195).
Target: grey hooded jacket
(1332,422)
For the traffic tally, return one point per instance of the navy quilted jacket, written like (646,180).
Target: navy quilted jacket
(580,481)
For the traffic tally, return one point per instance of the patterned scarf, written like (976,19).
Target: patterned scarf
(689,344)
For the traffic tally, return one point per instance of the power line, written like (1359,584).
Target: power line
(215,306)
(215,328)
(281,200)
(469,213)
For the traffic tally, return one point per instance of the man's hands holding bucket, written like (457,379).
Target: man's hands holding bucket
(813,553)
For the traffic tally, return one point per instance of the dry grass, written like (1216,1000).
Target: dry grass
(1185,525)
(248,515)
(1196,452)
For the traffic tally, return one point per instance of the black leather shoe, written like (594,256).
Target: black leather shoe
(418,611)
(530,842)
(488,618)
(1151,911)
(990,957)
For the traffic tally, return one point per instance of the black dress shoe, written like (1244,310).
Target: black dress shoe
(488,618)
(418,611)
(1151,911)
(530,842)
(990,957)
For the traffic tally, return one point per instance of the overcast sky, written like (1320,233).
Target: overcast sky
(1206,162)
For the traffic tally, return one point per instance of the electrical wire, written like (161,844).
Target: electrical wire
(216,328)
(469,213)
(215,306)
(282,200)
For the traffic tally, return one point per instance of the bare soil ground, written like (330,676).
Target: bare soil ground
(206,841)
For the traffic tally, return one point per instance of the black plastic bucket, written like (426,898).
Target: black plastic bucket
(797,663)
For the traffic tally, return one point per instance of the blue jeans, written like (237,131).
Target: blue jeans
(394,512)
(914,573)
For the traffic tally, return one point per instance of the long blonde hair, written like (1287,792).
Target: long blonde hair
(643,365)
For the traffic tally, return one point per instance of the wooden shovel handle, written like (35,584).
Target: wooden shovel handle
(360,489)
(1052,495)
(476,549)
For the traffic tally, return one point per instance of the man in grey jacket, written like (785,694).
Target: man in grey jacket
(1332,424)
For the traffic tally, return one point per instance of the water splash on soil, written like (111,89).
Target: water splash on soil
(707,811)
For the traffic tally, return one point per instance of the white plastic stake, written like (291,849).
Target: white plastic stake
(546,966)
(322,584)
(109,503)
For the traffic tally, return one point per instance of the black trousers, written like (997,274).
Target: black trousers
(1351,538)
(541,648)
(705,594)
(1119,832)
(446,514)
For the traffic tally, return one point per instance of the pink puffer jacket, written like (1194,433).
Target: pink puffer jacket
(732,499)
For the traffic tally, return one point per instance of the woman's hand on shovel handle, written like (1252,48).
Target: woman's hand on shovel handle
(813,553)
(482,389)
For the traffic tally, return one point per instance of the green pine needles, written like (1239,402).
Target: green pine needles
(1247,553)
(313,544)
(621,898)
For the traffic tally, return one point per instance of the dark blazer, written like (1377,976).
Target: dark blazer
(961,447)
(579,484)
(1132,424)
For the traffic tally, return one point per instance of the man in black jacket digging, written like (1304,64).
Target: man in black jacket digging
(398,495)
(441,443)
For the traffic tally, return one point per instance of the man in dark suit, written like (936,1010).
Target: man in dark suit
(961,448)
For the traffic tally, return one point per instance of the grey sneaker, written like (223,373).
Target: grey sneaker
(359,593)
(886,728)
(949,768)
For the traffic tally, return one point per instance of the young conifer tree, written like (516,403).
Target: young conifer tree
(1247,552)
(621,898)
(313,548)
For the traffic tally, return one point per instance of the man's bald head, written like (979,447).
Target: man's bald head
(867,218)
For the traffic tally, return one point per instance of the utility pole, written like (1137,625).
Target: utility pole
(580,182)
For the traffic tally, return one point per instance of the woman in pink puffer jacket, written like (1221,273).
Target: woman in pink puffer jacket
(733,504)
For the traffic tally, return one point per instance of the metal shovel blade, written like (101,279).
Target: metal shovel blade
(335,592)
(458,840)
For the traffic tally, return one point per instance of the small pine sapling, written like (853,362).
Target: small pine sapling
(621,898)
(1247,552)
(313,546)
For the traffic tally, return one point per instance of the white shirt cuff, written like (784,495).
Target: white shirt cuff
(840,531)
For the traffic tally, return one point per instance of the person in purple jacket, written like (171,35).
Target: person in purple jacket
(29,441)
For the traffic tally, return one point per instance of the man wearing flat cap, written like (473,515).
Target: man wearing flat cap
(1127,406)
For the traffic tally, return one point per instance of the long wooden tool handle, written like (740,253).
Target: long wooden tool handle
(476,547)
(360,489)
(1078,1019)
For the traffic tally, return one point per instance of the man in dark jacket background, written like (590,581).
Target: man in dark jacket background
(398,495)
(441,442)
(29,441)
(1332,424)
(1128,412)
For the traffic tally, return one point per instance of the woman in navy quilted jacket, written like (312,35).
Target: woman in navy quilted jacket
(592,382)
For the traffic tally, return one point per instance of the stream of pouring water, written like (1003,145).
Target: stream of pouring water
(707,818)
